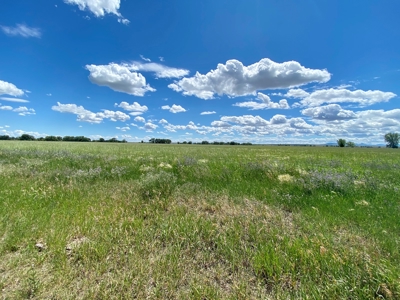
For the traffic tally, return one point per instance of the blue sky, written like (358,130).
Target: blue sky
(261,71)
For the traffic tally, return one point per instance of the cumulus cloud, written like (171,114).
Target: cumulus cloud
(299,123)
(22,30)
(174,108)
(220,124)
(278,119)
(160,70)
(234,79)
(163,121)
(119,78)
(246,120)
(134,108)
(100,7)
(24,111)
(362,98)
(331,112)
(297,93)
(84,115)
(150,126)
(207,113)
(139,119)
(7,88)
(265,103)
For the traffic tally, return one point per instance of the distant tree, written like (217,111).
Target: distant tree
(184,142)
(102,140)
(190,142)
(205,142)
(27,137)
(51,138)
(350,144)
(341,142)
(392,139)
(4,137)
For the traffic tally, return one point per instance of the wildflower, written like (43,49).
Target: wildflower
(362,202)
(285,178)
(165,165)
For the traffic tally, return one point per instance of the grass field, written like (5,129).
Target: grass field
(143,221)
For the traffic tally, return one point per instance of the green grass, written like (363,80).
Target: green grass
(126,221)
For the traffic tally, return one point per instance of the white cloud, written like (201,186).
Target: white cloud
(329,112)
(299,123)
(363,98)
(177,109)
(84,115)
(139,119)
(174,108)
(135,108)
(246,120)
(220,124)
(49,95)
(234,79)
(7,88)
(265,103)
(161,58)
(6,107)
(136,113)
(150,126)
(208,113)
(278,119)
(123,21)
(160,70)
(297,93)
(123,128)
(119,78)
(100,7)
(163,121)
(24,111)
(22,30)
(113,115)
(144,58)
(14,100)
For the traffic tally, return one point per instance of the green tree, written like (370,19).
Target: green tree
(341,142)
(27,137)
(392,139)
(350,144)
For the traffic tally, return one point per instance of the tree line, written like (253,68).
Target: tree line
(392,140)
(52,138)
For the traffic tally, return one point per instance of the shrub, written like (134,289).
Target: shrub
(341,142)
(157,185)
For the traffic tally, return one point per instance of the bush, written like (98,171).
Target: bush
(157,185)
(341,142)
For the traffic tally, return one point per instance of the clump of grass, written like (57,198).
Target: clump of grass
(158,185)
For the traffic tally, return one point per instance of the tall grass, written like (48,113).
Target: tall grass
(122,221)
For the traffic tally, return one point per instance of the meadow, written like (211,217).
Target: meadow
(148,221)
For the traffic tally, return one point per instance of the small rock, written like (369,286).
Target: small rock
(40,246)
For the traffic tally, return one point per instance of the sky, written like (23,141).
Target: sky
(260,71)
